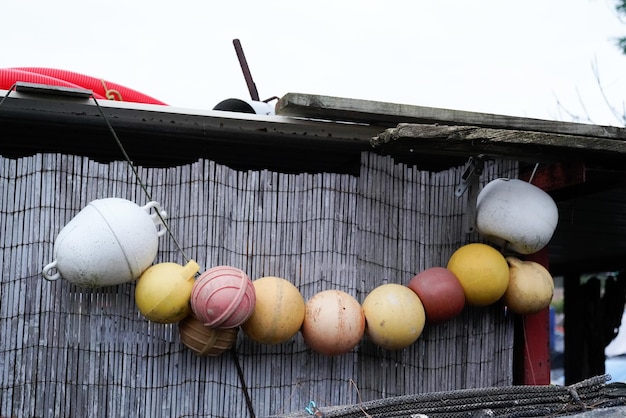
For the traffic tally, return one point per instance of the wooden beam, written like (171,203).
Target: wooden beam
(390,114)
(497,143)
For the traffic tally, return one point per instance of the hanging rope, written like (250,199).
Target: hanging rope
(136,173)
(7,94)
(242,380)
(244,386)
(532,175)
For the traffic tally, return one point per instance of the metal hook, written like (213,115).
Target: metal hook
(474,169)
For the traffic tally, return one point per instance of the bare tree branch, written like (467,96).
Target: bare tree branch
(596,72)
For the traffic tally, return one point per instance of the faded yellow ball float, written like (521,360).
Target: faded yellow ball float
(278,313)
(394,316)
(163,291)
(531,287)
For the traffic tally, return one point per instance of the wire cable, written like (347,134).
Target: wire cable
(137,177)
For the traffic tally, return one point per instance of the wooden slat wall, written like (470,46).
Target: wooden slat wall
(66,351)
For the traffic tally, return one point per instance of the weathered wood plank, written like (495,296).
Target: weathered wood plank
(497,143)
(390,114)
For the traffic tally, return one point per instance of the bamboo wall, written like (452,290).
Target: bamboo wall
(71,352)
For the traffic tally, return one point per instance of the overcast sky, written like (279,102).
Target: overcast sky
(497,56)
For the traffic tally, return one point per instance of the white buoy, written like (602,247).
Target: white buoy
(516,213)
(110,241)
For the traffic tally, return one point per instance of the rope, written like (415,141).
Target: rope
(532,175)
(508,401)
(137,177)
(527,349)
(110,93)
(242,380)
(7,94)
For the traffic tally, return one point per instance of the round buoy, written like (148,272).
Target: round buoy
(394,316)
(205,341)
(278,313)
(482,271)
(110,241)
(530,289)
(163,291)
(334,322)
(516,213)
(441,293)
(223,297)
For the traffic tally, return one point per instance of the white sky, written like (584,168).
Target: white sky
(496,56)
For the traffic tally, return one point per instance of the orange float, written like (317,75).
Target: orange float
(278,313)
(205,341)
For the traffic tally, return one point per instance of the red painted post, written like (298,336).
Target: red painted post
(531,363)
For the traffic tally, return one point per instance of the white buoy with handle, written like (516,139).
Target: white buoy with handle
(110,241)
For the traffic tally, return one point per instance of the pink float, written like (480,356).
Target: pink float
(223,297)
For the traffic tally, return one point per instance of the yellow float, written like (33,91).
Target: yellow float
(394,316)
(278,313)
(482,271)
(163,291)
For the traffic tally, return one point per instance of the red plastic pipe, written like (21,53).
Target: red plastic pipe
(102,89)
(9,76)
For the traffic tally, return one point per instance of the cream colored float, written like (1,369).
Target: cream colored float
(334,322)
(530,289)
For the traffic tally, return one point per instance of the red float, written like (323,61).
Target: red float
(441,293)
